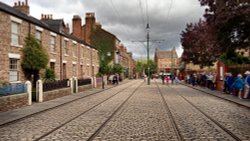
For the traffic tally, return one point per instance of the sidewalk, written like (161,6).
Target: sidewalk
(244,102)
(23,112)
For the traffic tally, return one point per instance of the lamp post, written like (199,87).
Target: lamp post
(147,28)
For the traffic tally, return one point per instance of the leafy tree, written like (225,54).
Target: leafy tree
(231,20)
(199,44)
(49,75)
(117,68)
(34,58)
(141,67)
(105,69)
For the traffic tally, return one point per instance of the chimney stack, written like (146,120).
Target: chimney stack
(77,26)
(23,7)
(67,28)
(89,26)
(46,17)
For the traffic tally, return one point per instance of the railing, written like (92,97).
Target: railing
(12,88)
(82,82)
(49,86)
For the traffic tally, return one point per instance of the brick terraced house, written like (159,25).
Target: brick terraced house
(69,55)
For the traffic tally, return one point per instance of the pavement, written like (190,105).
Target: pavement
(235,99)
(23,112)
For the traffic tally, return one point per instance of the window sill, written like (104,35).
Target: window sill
(66,55)
(53,53)
(19,46)
(13,82)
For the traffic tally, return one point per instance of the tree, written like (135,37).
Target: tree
(231,20)
(199,44)
(141,67)
(117,68)
(34,58)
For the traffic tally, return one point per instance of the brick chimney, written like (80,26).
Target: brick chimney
(77,26)
(89,26)
(23,7)
(67,28)
(46,17)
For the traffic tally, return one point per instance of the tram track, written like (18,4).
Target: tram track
(52,108)
(92,137)
(214,121)
(81,114)
(173,122)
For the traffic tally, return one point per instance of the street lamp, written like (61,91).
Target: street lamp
(147,28)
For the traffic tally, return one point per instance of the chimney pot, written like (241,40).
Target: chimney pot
(19,3)
(26,2)
(15,4)
(22,3)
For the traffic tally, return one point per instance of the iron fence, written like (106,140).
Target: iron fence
(82,82)
(49,86)
(12,88)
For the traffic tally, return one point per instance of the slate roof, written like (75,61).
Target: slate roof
(166,54)
(52,25)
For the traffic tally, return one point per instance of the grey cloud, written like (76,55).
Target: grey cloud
(125,19)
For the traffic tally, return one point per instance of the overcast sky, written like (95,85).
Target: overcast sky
(127,19)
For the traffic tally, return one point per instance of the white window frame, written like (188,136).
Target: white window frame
(39,38)
(13,70)
(15,34)
(52,44)
(66,47)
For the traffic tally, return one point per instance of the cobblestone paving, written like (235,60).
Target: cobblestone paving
(35,126)
(192,124)
(235,118)
(84,126)
(142,118)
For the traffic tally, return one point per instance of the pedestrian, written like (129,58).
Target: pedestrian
(247,84)
(163,78)
(230,81)
(238,86)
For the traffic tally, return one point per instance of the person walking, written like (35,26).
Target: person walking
(238,86)
(247,84)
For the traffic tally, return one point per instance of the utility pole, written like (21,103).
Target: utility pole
(147,28)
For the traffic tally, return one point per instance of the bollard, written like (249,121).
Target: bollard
(39,91)
(76,84)
(28,86)
(71,85)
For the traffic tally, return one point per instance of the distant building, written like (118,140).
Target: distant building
(68,55)
(166,61)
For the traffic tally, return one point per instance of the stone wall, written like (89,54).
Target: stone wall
(84,88)
(56,94)
(13,101)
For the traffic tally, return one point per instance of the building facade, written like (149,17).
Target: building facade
(117,51)
(68,55)
(166,61)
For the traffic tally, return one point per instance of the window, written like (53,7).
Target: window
(13,76)
(39,36)
(81,51)
(52,43)
(52,65)
(74,50)
(74,70)
(65,47)
(64,71)
(15,33)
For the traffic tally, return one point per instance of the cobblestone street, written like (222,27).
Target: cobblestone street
(137,111)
